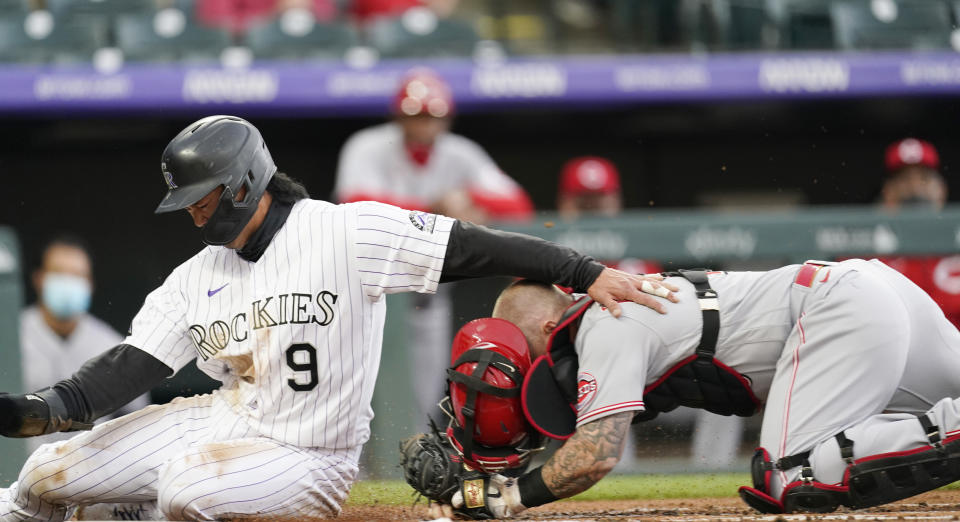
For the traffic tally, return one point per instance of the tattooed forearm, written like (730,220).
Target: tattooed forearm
(587,456)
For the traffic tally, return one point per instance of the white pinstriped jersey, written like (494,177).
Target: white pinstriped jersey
(295,337)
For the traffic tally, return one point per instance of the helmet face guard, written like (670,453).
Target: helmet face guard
(492,460)
(230,217)
(489,360)
(217,151)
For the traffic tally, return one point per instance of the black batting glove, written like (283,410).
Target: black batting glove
(35,414)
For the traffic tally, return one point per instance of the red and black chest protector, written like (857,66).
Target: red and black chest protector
(700,380)
(549,395)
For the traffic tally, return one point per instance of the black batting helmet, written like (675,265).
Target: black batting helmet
(217,151)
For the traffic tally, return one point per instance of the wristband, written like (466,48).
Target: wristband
(533,491)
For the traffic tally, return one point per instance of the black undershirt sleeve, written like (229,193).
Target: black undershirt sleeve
(477,251)
(109,381)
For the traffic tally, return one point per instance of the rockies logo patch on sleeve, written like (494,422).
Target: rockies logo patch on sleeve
(423,221)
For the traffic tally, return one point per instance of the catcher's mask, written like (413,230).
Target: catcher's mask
(489,360)
(215,151)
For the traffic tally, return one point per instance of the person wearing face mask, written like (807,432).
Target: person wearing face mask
(57,334)
(913,181)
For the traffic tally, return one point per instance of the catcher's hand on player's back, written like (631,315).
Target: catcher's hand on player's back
(482,497)
(613,285)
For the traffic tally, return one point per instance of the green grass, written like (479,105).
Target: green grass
(373,492)
(695,485)
(616,487)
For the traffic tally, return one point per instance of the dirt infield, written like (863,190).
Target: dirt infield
(936,505)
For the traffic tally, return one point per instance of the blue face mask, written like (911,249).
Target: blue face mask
(66,296)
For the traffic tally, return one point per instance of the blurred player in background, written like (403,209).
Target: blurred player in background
(415,162)
(913,181)
(590,185)
(913,177)
(57,335)
(367,10)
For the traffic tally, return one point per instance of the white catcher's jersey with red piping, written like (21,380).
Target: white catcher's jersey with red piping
(758,314)
(295,337)
(618,357)
(851,346)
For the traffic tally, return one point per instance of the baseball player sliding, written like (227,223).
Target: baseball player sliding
(285,307)
(856,366)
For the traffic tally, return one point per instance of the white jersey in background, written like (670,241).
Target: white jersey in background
(374,165)
(296,336)
(45,357)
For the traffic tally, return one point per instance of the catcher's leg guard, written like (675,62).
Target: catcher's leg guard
(879,479)
(760,501)
(806,494)
(758,496)
(811,496)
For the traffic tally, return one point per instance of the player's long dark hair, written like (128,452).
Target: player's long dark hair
(286,189)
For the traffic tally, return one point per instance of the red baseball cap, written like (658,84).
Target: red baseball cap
(423,92)
(911,151)
(589,174)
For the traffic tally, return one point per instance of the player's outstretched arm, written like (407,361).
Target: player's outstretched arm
(476,251)
(35,414)
(101,386)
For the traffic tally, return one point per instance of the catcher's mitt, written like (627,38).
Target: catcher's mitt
(431,466)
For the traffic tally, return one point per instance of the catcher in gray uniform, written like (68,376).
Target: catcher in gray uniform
(855,366)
